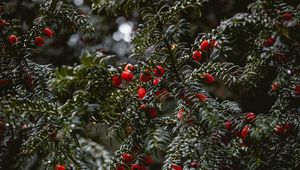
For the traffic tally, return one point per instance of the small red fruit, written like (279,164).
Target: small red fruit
(180,114)
(287,16)
(148,160)
(152,112)
(146,76)
(137,167)
(228,125)
(39,41)
(213,43)
(245,132)
(269,41)
(143,107)
(156,81)
(194,164)
(48,32)
(127,76)
(201,97)
(116,81)
(250,117)
(12,39)
(274,86)
(297,90)
(60,167)
(159,71)
(279,130)
(176,167)
(205,46)
(120,167)
(197,56)
(208,78)
(129,67)
(3,22)
(141,92)
(127,158)
(288,127)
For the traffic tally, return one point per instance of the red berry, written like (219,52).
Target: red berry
(194,164)
(245,131)
(279,130)
(176,167)
(180,114)
(48,32)
(148,160)
(116,81)
(4,83)
(197,56)
(269,41)
(12,39)
(3,22)
(201,97)
(288,126)
(60,167)
(159,71)
(274,86)
(146,76)
(228,125)
(143,107)
(297,90)
(205,46)
(120,167)
(141,92)
(250,117)
(129,67)
(152,112)
(208,78)
(127,158)
(39,41)
(137,167)
(156,81)
(213,43)
(127,76)
(287,16)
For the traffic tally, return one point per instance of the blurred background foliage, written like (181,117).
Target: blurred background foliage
(112,33)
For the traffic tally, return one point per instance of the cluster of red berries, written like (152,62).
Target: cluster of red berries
(205,46)
(249,118)
(127,158)
(147,161)
(39,40)
(200,96)
(283,130)
(145,76)
(275,86)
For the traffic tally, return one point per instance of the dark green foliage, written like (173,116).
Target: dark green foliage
(51,117)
